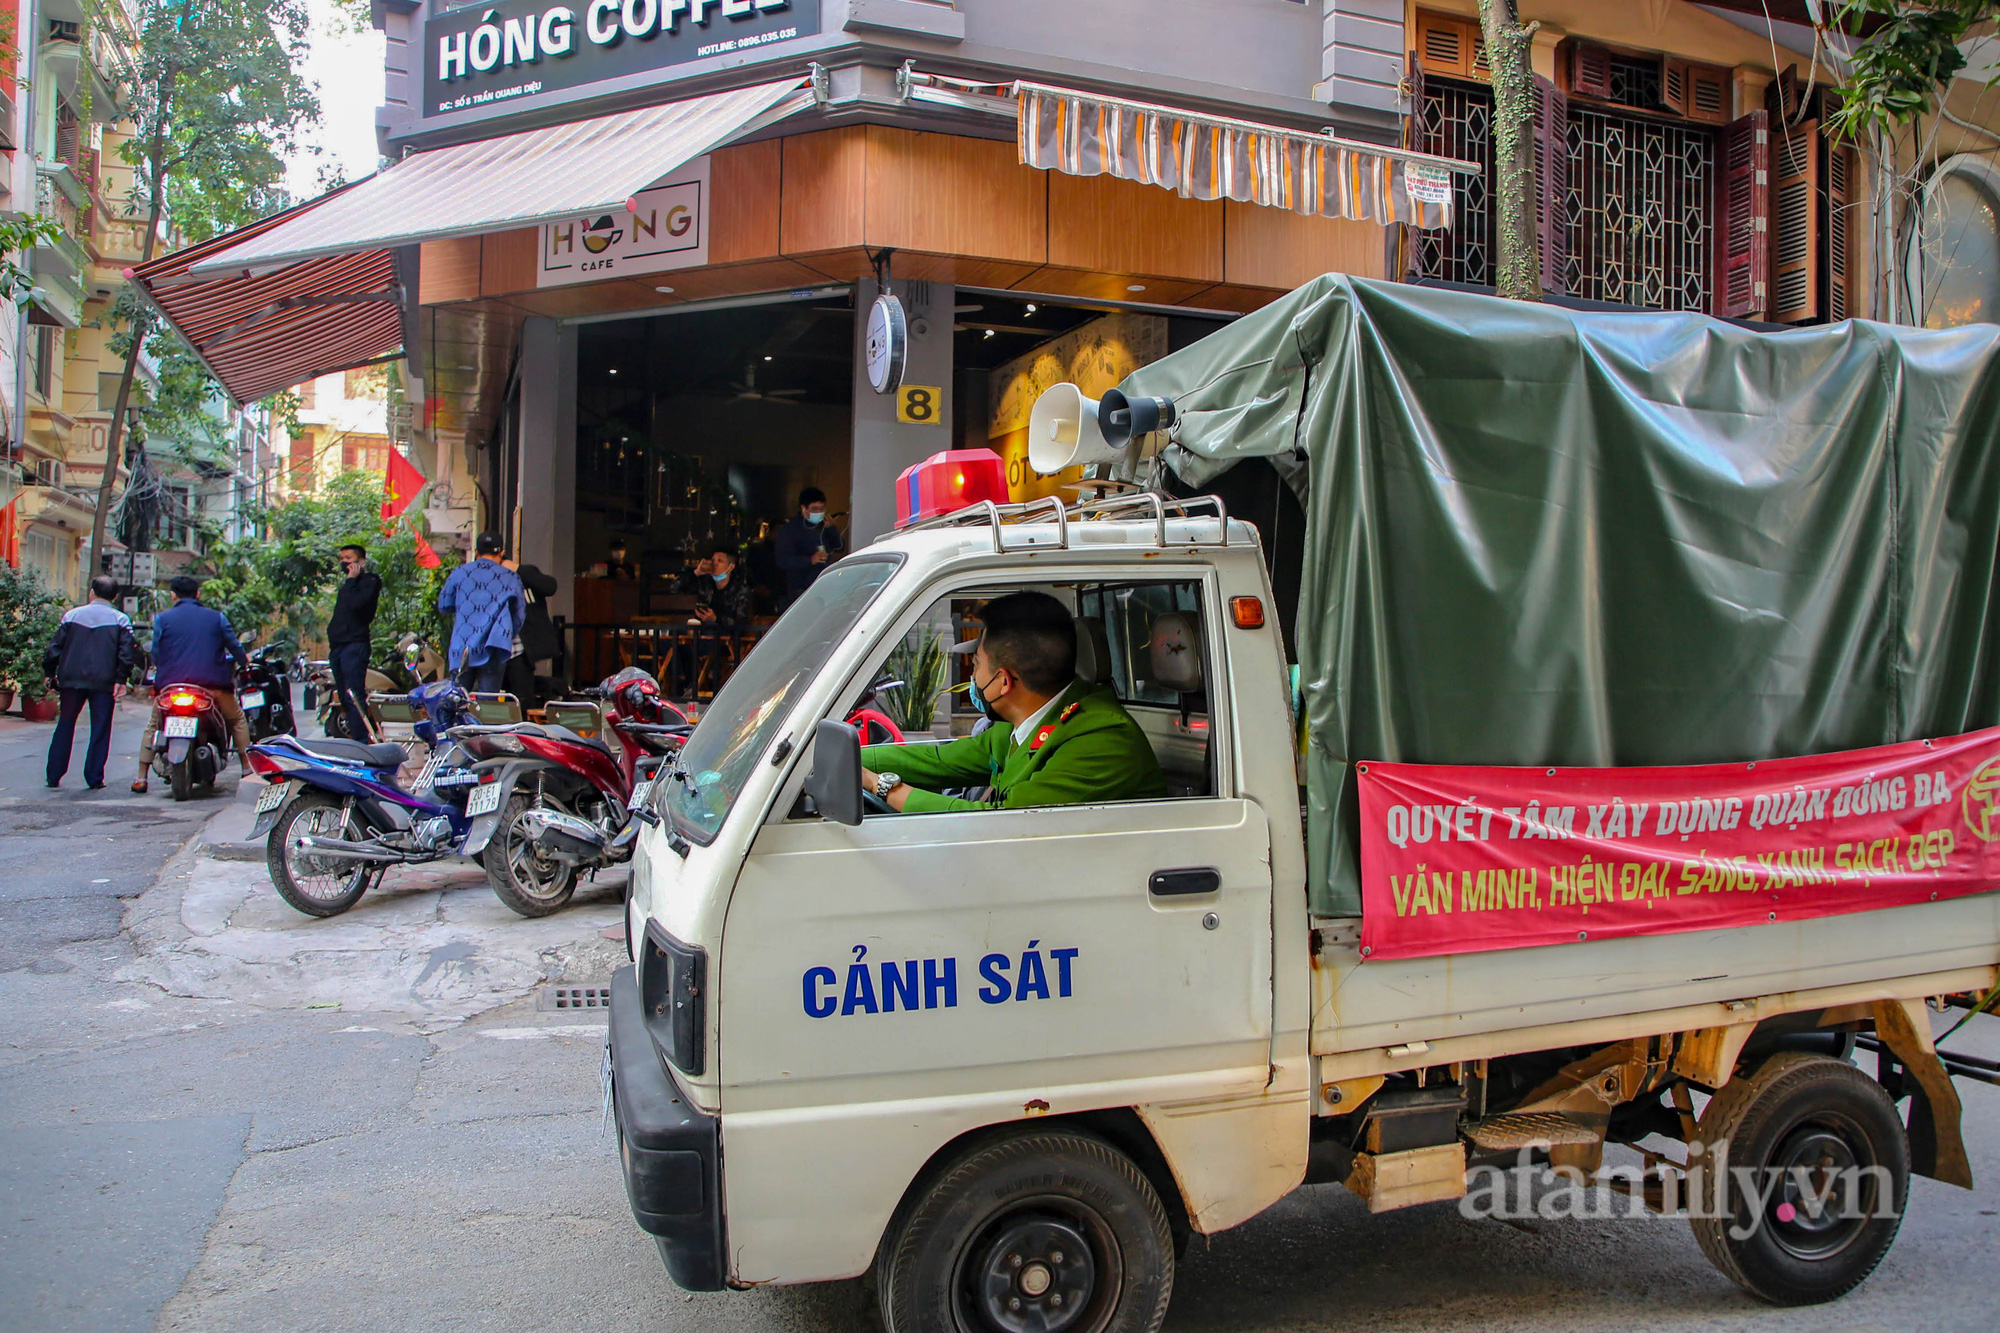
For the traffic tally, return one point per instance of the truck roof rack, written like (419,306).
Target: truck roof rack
(1132,504)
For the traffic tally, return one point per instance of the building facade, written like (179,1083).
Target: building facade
(637,382)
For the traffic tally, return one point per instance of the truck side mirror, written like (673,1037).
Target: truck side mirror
(835,781)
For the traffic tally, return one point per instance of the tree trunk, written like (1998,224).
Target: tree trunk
(1517,263)
(114,435)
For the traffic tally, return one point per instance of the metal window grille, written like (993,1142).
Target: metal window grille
(1635,83)
(1640,200)
(1457,121)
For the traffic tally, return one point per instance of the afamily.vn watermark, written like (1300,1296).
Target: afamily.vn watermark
(1811,1196)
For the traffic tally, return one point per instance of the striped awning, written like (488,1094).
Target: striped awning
(1214,157)
(516,180)
(264,333)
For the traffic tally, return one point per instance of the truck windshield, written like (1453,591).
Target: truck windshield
(738,727)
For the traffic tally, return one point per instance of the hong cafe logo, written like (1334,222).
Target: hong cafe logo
(660,228)
(527,38)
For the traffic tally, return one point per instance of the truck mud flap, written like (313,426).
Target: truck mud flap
(671,1151)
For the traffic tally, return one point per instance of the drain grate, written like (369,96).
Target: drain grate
(567,998)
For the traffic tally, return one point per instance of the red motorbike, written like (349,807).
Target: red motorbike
(874,726)
(563,803)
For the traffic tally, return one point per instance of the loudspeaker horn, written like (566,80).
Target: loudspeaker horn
(1063,432)
(1120,420)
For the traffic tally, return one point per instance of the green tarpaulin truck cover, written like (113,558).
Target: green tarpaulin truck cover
(1541,536)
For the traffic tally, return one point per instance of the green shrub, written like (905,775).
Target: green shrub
(29,616)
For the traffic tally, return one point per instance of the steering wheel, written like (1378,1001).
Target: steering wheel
(875,805)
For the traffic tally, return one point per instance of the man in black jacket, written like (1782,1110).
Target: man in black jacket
(347,636)
(89,660)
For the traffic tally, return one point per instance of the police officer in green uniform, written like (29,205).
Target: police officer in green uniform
(1056,740)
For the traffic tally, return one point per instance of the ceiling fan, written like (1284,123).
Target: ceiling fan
(748,390)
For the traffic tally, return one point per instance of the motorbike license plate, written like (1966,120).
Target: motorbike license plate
(483,799)
(641,793)
(272,797)
(251,698)
(182,726)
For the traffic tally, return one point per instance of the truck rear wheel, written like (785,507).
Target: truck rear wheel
(1828,1170)
(1041,1233)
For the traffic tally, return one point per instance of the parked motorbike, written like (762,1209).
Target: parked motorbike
(338,818)
(567,804)
(419,666)
(192,743)
(264,691)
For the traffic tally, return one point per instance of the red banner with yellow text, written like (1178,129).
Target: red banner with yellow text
(1461,859)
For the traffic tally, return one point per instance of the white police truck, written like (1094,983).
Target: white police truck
(1011,1060)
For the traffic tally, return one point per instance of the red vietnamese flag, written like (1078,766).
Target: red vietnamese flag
(401,488)
(426,557)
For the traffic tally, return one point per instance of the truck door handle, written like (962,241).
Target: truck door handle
(1192,879)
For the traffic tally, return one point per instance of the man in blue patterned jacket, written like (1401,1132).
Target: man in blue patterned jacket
(487,605)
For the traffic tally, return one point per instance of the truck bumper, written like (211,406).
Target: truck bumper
(671,1150)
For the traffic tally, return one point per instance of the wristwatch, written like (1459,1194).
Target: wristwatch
(886,783)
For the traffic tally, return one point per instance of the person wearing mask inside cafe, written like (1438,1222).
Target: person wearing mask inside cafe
(721,603)
(807,544)
(1056,740)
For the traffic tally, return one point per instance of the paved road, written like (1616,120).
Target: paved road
(188,1145)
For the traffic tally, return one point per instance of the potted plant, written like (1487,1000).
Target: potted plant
(29,615)
(919,661)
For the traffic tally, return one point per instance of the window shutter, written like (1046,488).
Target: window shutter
(1589,71)
(1452,47)
(1842,203)
(1674,85)
(68,135)
(1708,94)
(1743,249)
(1552,182)
(1795,244)
(1442,45)
(1783,95)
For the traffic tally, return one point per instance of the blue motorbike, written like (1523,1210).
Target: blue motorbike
(337,816)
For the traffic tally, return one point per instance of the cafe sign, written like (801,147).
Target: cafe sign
(484,54)
(661,228)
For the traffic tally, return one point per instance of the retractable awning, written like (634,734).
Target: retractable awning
(1215,157)
(517,180)
(260,334)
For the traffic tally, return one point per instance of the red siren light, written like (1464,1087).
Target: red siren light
(949,481)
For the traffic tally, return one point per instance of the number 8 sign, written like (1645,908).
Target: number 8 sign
(920,405)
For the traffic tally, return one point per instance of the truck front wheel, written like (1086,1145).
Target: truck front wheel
(1040,1233)
(1806,1171)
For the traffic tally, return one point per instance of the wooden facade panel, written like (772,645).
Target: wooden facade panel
(507,261)
(824,190)
(1151,290)
(448,270)
(949,194)
(851,265)
(589,298)
(1275,247)
(743,206)
(703,284)
(1236,300)
(1119,226)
